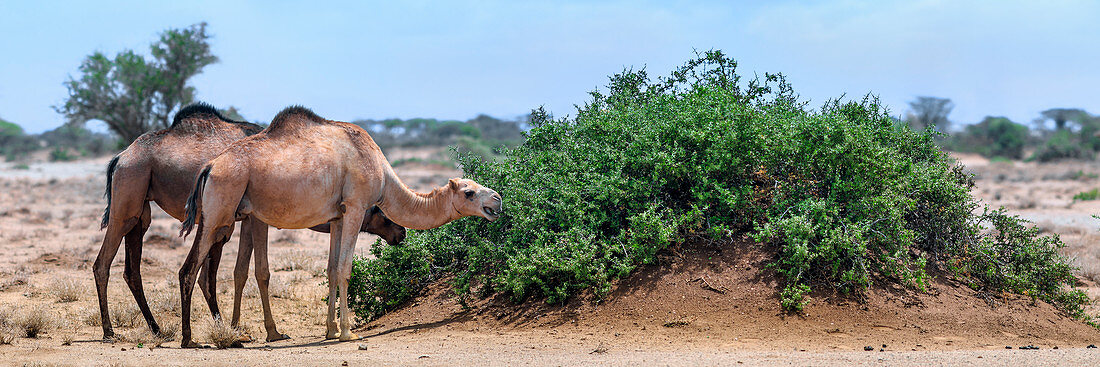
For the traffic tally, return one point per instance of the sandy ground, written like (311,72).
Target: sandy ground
(49,215)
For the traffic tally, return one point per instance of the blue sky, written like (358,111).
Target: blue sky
(350,60)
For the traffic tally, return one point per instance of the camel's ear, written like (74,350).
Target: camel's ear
(454,184)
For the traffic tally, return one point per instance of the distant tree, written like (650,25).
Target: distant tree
(14,142)
(9,129)
(1061,117)
(930,111)
(134,95)
(232,113)
(993,137)
(503,131)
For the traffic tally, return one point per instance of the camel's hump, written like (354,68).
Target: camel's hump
(201,111)
(294,116)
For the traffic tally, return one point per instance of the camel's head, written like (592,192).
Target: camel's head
(470,198)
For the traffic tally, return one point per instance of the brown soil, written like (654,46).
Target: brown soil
(724,299)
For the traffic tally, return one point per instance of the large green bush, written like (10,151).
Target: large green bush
(845,197)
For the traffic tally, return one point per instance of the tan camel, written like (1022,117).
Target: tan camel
(304,170)
(162,166)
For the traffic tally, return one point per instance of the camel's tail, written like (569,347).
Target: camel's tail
(110,175)
(194,203)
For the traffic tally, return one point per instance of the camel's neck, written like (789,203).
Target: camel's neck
(415,210)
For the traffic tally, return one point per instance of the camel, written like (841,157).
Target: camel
(304,170)
(161,166)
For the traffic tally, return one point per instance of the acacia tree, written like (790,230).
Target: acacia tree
(930,111)
(133,95)
(1061,116)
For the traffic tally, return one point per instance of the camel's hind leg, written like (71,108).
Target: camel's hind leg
(102,268)
(208,276)
(218,200)
(125,211)
(132,274)
(204,241)
(263,277)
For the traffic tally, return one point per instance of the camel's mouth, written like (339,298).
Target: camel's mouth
(490,213)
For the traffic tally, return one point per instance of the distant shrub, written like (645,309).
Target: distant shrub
(1081,174)
(61,155)
(1087,195)
(13,142)
(480,136)
(78,139)
(1062,144)
(66,289)
(844,197)
(993,137)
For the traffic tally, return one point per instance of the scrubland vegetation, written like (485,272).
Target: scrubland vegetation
(845,197)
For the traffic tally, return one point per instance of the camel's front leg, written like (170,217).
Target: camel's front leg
(333,259)
(349,232)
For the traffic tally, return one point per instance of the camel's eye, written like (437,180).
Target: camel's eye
(469,194)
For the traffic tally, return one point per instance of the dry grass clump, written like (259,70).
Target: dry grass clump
(1088,264)
(8,329)
(167,302)
(66,289)
(169,331)
(278,288)
(88,316)
(37,321)
(222,334)
(8,334)
(125,315)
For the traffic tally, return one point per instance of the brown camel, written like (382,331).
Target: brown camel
(304,170)
(162,166)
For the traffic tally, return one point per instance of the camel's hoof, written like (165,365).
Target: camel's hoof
(277,337)
(332,335)
(189,345)
(246,339)
(349,336)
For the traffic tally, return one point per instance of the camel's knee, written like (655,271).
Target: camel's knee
(131,275)
(240,273)
(101,269)
(184,271)
(343,271)
(263,276)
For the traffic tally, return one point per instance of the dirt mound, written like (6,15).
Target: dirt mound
(726,298)
(65,259)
